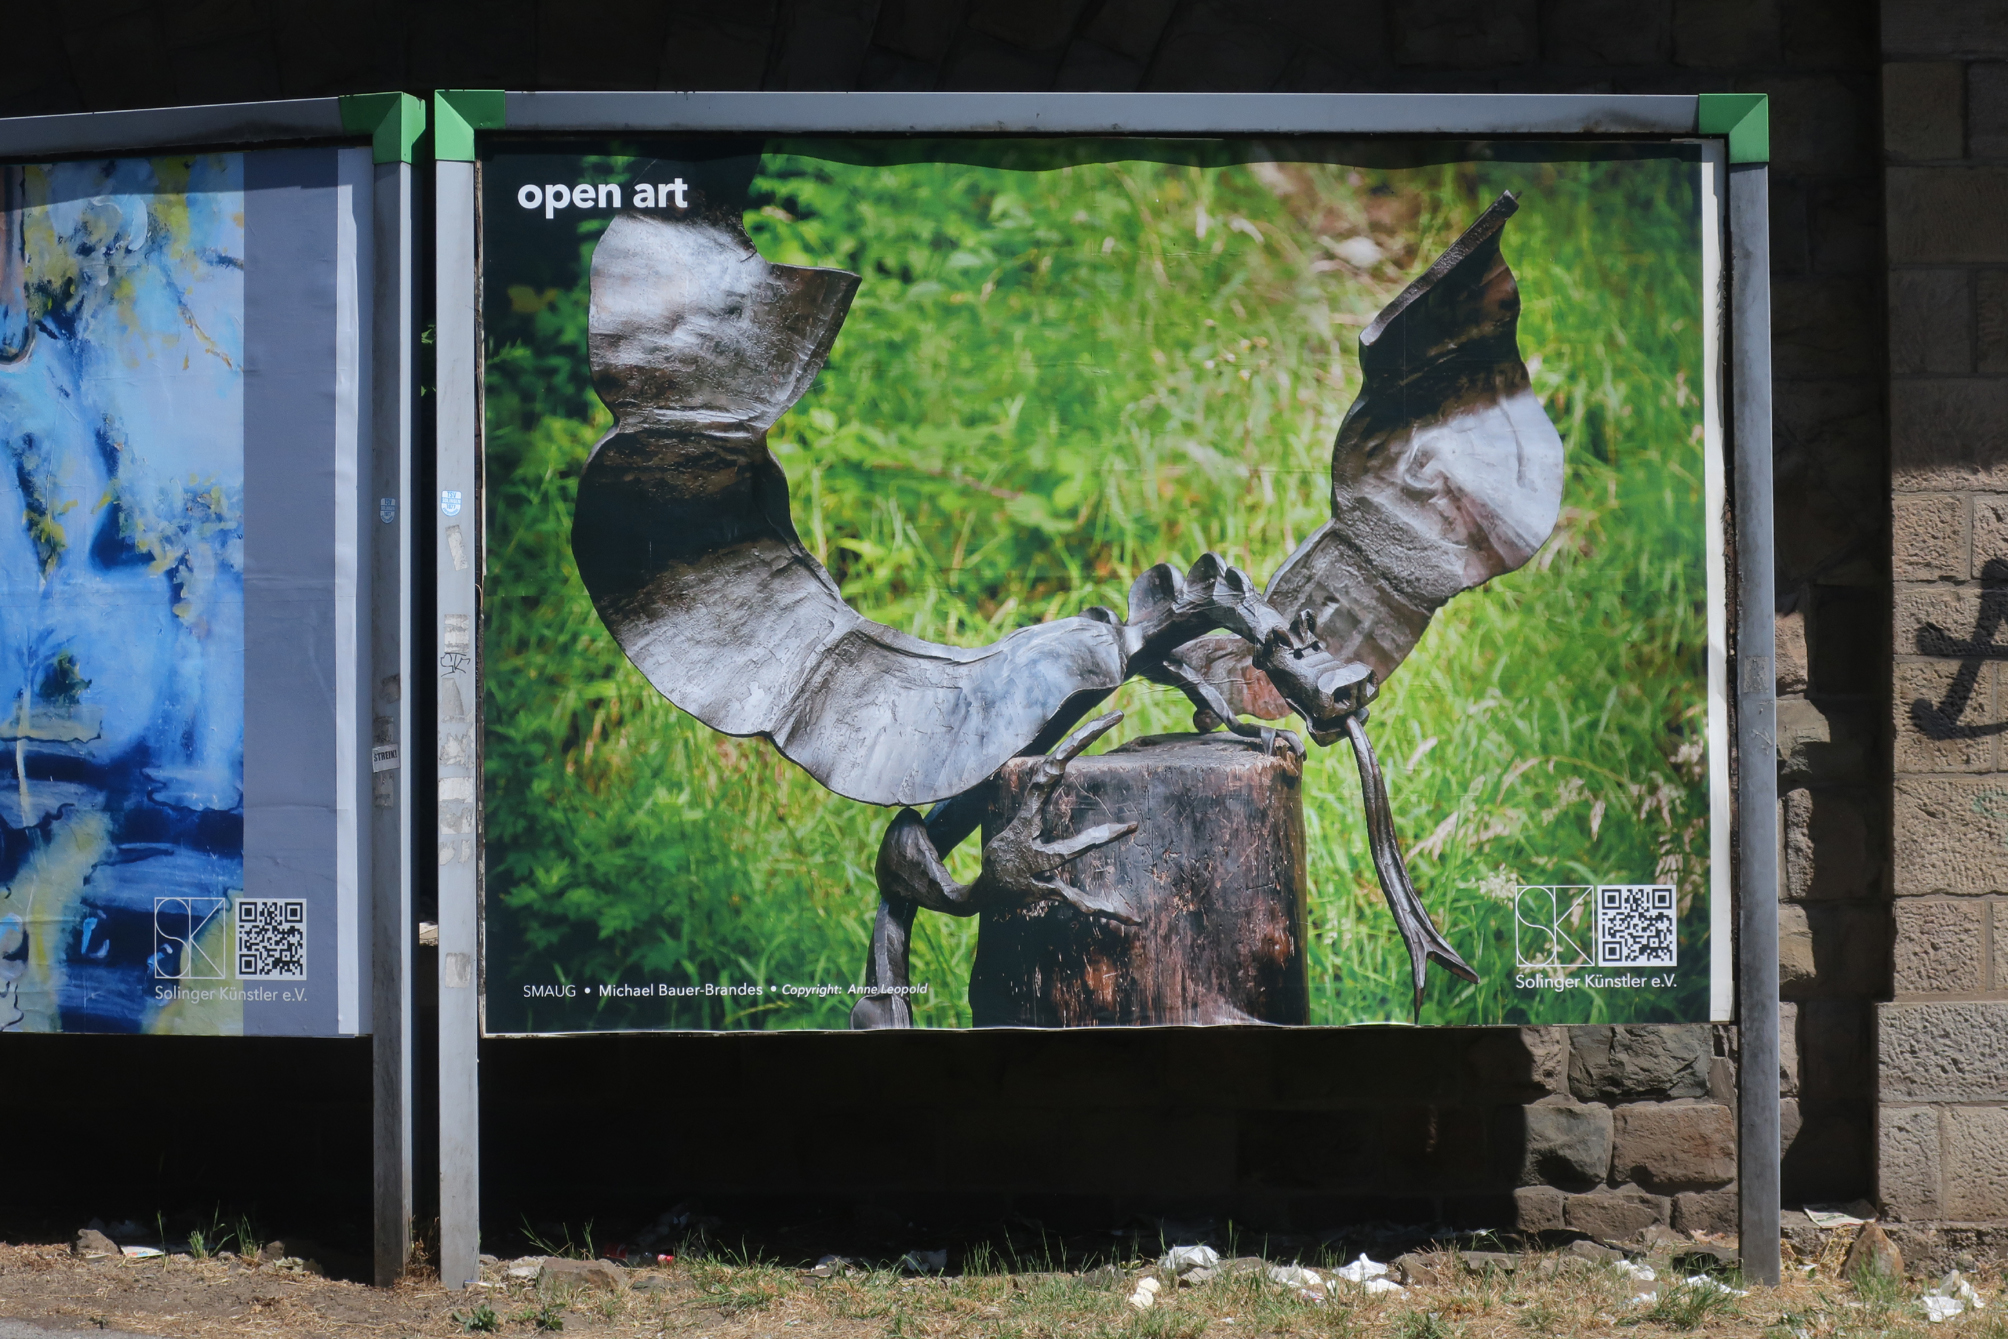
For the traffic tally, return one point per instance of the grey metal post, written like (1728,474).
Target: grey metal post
(457,534)
(390,734)
(1756,723)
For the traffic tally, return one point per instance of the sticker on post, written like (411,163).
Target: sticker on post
(449,501)
(383,758)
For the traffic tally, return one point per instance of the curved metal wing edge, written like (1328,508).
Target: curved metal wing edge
(683,538)
(1446,473)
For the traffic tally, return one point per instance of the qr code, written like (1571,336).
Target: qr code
(1635,925)
(271,939)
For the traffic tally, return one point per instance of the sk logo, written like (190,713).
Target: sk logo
(449,501)
(178,923)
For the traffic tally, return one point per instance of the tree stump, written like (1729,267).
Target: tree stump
(1214,875)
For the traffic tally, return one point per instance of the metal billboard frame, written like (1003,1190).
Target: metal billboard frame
(1737,123)
(391,123)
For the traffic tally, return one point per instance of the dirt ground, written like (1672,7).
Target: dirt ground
(1523,1297)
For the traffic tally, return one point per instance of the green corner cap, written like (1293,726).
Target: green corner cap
(1744,117)
(393,121)
(457,113)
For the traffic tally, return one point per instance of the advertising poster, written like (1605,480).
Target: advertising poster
(824,476)
(148,322)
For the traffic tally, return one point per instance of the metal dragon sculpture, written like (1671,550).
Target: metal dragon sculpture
(1446,473)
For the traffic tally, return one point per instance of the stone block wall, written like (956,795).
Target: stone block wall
(1942,1142)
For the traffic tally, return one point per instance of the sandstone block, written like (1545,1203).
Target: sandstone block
(1705,1210)
(1951,835)
(1990,534)
(1590,32)
(1672,1146)
(1928,536)
(1843,946)
(1999,981)
(603,1275)
(1524,1062)
(1036,25)
(1944,215)
(1987,109)
(1921,101)
(1976,1162)
(1448,34)
(1724,35)
(1935,620)
(1825,327)
(1907,1161)
(1939,945)
(1795,949)
(1788,639)
(1788,1048)
(1935,705)
(1951,1051)
(1567,1144)
(1829,846)
(1790,1121)
(1872,1253)
(915,28)
(1820,743)
(92,1244)
(1824,123)
(1625,1063)
(1130,27)
(1090,67)
(1538,1209)
(1944,27)
(1990,323)
(1836,1051)
(1616,1215)
(1213,46)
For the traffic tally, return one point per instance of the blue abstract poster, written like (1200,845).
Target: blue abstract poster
(122,629)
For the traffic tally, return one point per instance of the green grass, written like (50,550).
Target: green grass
(1049,381)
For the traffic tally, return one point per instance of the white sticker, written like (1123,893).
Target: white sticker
(456,546)
(449,501)
(387,509)
(383,758)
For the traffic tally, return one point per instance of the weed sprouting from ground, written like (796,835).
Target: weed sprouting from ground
(1687,1306)
(480,1320)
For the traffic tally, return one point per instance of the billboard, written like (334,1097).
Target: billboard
(183,390)
(839,492)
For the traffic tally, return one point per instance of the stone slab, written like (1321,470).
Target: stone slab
(1949,1051)
(1951,834)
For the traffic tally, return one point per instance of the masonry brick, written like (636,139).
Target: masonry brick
(1818,743)
(1592,32)
(1033,24)
(1928,537)
(921,29)
(1943,28)
(1788,1049)
(1908,1161)
(1954,1051)
(1539,1209)
(1975,1182)
(1943,215)
(1821,34)
(718,50)
(1930,322)
(1567,1144)
(1948,697)
(1788,642)
(1940,945)
(1090,67)
(1987,110)
(1836,1053)
(1934,620)
(1454,34)
(1949,435)
(1672,1146)
(1624,1063)
(1921,110)
(1212,45)
(1706,1211)
(1951,835)
(1822,328)
(820,44)
(1844,223)
(1796,972)
(1999,911)
(979,61)
(1525,1063)
(1726,34)
(1616,1215)
(1990,323)
(1130,27)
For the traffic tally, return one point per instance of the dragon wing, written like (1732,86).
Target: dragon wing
(684,540)
(1446,473)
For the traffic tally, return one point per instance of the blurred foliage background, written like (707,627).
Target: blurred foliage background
(1063,366)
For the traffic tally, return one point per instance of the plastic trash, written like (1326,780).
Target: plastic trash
(1183,1259)
(1145,1295)
(1633,1270)
(141,1252)
(1950,1297)
(1361,1270)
